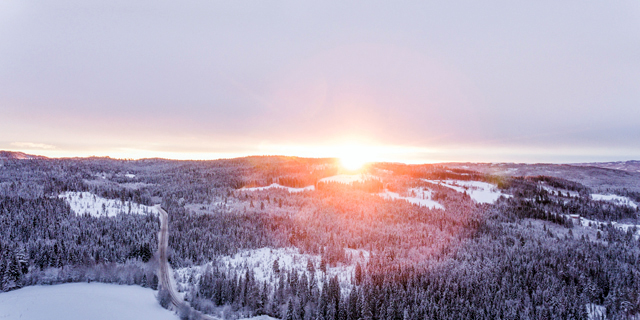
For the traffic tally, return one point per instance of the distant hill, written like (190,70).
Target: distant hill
(16,155)
(631,165)
(602,177)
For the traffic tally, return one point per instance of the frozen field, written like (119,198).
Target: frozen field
(81,301)
(89,203)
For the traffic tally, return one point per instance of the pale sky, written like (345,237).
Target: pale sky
(408,81)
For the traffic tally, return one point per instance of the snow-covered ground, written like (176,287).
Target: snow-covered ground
(275,185)
(573,194)
(130,175)
(481,192)
(82,301)
(616,199)
(262,260)
(596,312)
(262,317)
(420,197)
(622,226)
(348,178)
(86,202)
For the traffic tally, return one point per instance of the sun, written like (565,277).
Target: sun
(352,162)
(353,156)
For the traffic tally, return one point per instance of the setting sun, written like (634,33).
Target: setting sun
(352,162)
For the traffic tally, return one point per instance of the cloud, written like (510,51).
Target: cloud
(31,145)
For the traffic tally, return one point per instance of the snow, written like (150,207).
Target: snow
(348,178)
(616,199)
(261,261)
(422,198)
(622,226)
(511,170)
(275,185)
(587,222)
(262,317)
(135,185)
(87,202)
(625,227)
(96,301)
(595,311)
(479,191)
(130,175)
(573,194)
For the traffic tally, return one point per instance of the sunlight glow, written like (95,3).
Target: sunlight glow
(352,154)
(352,162)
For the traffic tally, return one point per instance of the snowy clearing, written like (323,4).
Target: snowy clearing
(275,185)
(348,178)
(616,199)
(573,194)
(88,203)
(481,192)
(72,301)
(622,226)
(421,197)
(595,311)
(262,260)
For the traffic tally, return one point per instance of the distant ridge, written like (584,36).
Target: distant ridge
(16,155)
(630,166)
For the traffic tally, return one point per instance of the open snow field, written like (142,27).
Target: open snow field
(480,192)
(275,185)
(87,202)
(419,196)
(81,301)
(616,199)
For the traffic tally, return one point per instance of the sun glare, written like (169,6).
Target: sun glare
(352,162)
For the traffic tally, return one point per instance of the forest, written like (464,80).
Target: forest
(523,255)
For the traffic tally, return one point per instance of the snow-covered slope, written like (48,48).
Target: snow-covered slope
(275,185)
(421,197)
(573,194)
(481,192)
(616,199)
(622,226)
(82,301)
(262,260)
(86,202)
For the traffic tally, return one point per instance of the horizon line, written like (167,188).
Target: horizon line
(81,157)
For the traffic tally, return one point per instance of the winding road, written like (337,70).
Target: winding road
(164,270)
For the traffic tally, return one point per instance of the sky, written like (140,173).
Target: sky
(405,81)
